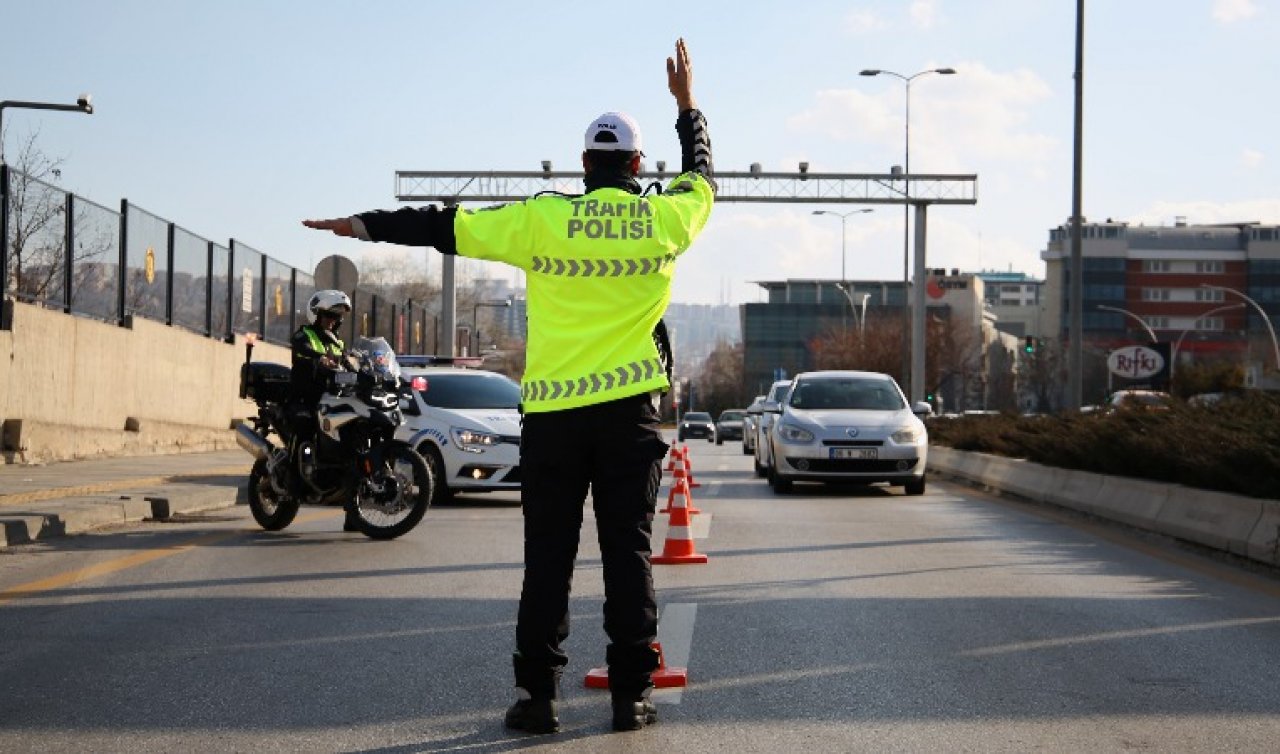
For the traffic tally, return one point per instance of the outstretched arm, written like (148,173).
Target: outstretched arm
(410,226)
(691,126)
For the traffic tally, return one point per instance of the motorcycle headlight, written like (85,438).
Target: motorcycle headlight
(473,441)
(792,433)
(908,435)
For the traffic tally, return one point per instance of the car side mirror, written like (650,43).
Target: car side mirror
(922,409)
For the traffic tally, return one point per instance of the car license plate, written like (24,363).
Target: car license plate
(861,453)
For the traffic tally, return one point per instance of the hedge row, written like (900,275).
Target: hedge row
(1233,446)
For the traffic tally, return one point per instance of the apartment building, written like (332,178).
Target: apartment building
(1202,288)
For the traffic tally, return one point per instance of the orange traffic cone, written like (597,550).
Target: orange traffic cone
(663,678)
(680,486)
(688,470)
(674,458)
(678,549)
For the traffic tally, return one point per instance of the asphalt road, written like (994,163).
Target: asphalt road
(826,620)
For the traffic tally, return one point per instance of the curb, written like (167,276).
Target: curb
(1237,524)
(83,513)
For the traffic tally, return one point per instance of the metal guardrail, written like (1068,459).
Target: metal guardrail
(61,251)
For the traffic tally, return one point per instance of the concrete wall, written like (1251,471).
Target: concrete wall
(1244,526)
(70,385)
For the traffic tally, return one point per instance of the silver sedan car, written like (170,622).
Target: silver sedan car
(852,427)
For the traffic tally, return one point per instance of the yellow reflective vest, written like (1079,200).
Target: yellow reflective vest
(320,345)
(598,269)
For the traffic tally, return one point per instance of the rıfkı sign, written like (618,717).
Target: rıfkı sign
(1135,362)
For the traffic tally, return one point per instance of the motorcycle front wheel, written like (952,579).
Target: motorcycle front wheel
(271,512)
(395,496)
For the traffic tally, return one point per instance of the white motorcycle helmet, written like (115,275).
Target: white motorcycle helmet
(336,303)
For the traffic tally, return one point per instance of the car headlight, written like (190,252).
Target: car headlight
(908,435)
(473,441)
(792,433)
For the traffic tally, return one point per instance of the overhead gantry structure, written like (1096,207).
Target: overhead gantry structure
(753,186)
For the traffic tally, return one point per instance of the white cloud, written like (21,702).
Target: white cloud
(863,22)
(977,115)
(1251,159)
(1230,11)
(924,13)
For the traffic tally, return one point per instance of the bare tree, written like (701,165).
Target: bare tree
(875,348)
(37,224)
(37,242)
(720,384)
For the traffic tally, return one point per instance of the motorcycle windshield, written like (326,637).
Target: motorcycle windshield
(375,356)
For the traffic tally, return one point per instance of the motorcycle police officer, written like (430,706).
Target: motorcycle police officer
(599,269)
(318,352)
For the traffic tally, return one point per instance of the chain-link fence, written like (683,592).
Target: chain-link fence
(61,251)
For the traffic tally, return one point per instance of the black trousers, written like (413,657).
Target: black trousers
(615,449)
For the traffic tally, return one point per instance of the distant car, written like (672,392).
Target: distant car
(1208,400)
(466,424)
(729,425)
(1144,399)
(696,424)
(749,423)
(764,458)
(846,426)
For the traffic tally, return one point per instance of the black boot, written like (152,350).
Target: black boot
(352,521)
(533,716)
(633,714)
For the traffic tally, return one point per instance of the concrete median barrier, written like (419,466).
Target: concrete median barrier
(1264,542)
(1073,489)
(1236,524)
(1214,519)
(1130,501)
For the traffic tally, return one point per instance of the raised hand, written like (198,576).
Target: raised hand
(680,77)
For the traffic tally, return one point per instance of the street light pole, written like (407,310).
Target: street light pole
(1177,344)
(1265,319)
(83,105)
(914,354)
(1136,318)
(843,217)
(475,323)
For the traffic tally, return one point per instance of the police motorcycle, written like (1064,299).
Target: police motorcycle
(354,460)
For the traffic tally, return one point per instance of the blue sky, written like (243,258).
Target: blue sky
(238,119)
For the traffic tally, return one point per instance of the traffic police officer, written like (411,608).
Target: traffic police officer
(599,269)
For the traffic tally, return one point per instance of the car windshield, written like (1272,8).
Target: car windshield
(851,393)
(697,416)
(732,416)
(467,389)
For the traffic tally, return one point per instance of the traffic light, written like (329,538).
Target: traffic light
(1029,344)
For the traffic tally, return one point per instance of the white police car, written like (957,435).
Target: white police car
(464,422)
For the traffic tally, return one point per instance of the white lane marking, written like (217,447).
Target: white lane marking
(675,634)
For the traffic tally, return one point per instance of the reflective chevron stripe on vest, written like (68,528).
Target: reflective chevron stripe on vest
(636,371)
(600,267)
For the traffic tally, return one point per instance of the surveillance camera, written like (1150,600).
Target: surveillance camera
(85,102)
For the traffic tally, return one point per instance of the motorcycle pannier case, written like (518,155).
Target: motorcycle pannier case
(264,381)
